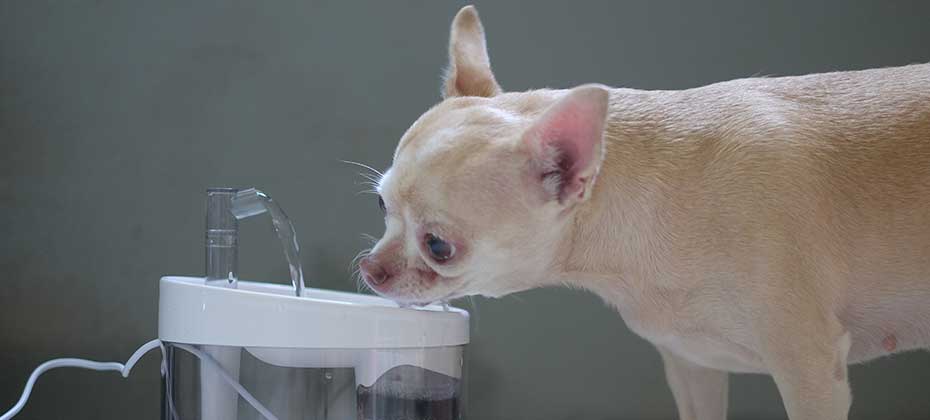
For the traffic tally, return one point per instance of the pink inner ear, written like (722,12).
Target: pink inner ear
(574,136)
(567,139)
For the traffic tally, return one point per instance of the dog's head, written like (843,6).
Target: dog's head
(484,184)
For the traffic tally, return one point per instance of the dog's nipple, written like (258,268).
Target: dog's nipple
(890,343)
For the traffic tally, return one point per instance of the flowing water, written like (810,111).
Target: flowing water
(251,202)
(288,237)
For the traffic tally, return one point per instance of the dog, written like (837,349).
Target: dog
(765,225)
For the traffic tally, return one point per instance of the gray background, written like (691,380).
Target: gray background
(116,115)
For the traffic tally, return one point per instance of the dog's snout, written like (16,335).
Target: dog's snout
(373,271)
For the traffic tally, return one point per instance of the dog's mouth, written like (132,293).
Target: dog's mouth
(455,294)
(418,287)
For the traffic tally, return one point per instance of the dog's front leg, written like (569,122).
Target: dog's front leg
(808,363)
(700,393)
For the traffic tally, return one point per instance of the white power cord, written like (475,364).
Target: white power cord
(124,370)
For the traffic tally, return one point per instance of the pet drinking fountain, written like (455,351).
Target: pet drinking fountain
(300,353)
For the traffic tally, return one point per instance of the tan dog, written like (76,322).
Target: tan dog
(776,225)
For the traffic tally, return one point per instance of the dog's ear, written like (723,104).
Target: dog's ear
(469,71)
(566,144)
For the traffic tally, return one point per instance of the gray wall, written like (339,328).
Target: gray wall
(115,115)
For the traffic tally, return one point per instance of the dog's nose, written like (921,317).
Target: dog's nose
(373,271)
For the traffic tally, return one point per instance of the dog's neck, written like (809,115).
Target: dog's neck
(616,241)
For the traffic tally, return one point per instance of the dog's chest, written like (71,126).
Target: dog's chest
(683,326)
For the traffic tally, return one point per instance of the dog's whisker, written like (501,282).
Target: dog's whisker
(372,178)
(474,310)
(364,166)
(373,186)
(354,264)
(371,239)
(359,282)
(361,254)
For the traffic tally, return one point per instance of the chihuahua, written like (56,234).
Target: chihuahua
(766,225)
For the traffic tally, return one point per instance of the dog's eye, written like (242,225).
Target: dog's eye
(439,249)
(381,203)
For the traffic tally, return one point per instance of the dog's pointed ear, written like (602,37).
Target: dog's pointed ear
(469,71)
(566,144)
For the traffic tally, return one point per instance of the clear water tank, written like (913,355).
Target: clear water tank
(323,355)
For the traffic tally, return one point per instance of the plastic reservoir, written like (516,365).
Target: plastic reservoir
(324,355)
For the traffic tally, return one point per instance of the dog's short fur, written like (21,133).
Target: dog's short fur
(777,225)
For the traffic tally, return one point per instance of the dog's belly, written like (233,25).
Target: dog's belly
(877,328)
(697,339)
(699,343)
(871,338)
(880,330)
(715,354)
